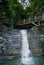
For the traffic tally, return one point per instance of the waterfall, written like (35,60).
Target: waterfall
(25,48)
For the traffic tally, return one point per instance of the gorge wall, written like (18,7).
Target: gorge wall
(11,42)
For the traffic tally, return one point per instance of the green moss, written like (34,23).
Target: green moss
(42,42)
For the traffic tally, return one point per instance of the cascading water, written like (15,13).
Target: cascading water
(25,48)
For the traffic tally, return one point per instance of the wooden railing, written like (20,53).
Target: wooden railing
(6,17)
(38,18)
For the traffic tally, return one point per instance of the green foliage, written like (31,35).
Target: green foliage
(17,11)
(41,29)
(34,6)
(42,42)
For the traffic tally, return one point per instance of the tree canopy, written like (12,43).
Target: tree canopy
(34,6)
(18,12)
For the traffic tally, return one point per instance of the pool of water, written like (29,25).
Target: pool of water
(32,61)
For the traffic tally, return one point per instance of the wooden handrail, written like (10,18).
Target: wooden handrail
(29,20)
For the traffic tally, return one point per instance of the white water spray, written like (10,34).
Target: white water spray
(25,48)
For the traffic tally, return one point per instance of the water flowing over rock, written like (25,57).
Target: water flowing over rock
(25,53)
(11,42)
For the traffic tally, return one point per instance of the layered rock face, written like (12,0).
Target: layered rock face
(10,43)
(34,41)
(42,38)
(4,13)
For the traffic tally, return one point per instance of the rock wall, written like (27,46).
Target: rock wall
(34,41)
(41,29)
(10,43)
